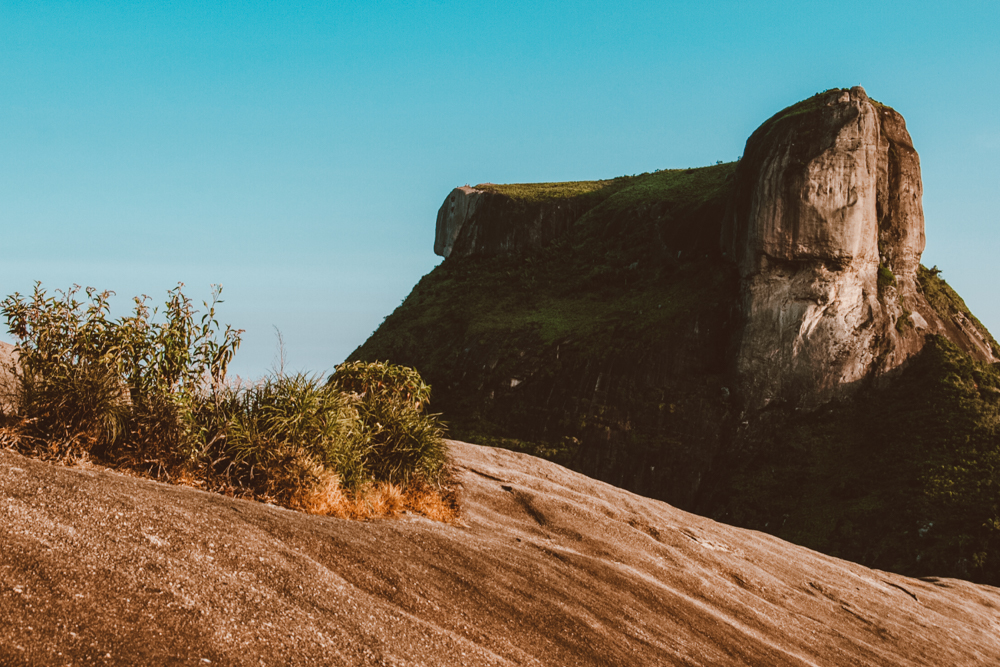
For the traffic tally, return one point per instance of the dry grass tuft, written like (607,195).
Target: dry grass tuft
(376,500)
(432,503)
(324,497)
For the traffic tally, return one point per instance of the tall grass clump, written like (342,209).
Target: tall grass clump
(149,392)
(288,432)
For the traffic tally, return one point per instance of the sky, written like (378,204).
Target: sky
(297,152)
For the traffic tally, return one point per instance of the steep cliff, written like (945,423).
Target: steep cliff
(489,219)
(599,348)
(827,232)
(714,337)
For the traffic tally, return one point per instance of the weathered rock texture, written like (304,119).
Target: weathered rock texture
(547,567)
(827,232)
(457,209)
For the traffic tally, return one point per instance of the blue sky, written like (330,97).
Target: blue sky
(297,153)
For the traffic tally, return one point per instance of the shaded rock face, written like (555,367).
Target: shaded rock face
(475,222)
(827,230)
(459,206)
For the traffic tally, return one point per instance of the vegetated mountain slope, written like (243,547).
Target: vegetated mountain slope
(621,328)
(546,567)
(601,348)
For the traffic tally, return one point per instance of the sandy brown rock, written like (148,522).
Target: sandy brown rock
(547,568)
(8,377)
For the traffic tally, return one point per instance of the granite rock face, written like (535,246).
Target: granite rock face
(457,209)
(545,567)
(827,230)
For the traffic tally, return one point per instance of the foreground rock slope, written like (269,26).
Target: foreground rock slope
(546,567)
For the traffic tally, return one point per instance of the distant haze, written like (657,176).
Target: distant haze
(298,155)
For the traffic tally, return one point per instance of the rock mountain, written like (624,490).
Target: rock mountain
(827,230)
(756,341)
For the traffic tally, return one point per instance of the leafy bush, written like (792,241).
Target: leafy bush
(886,278)
(152,394)
(87,380)
(400,440)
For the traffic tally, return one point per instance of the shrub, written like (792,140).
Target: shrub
(85,377)
(284,432)
(886,278)
(401,441)
(382,380)
(152,395)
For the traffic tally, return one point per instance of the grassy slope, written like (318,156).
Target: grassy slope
(904,478)
(577,287)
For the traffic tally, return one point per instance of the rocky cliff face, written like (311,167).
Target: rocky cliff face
(477,221)
(458,208)
(827,231)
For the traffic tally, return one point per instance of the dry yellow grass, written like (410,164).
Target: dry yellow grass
(376,500)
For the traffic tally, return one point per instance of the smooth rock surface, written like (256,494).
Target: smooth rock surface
(547,567)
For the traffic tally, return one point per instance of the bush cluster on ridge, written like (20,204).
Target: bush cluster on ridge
(150,394)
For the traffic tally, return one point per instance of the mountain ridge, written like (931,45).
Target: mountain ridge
(604,328)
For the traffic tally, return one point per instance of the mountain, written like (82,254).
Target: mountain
(754,341)
(545,567)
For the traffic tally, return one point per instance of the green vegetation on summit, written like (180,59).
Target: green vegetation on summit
(539,192)
(549,331)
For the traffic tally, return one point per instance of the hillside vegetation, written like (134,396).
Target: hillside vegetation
(904,477)
(508,341)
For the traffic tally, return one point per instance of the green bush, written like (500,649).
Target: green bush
(284,431)
(152,394)
(886,278)
(382,381)
(400,440)
(133,382)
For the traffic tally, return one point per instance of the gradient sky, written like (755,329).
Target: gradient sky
(297,153)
